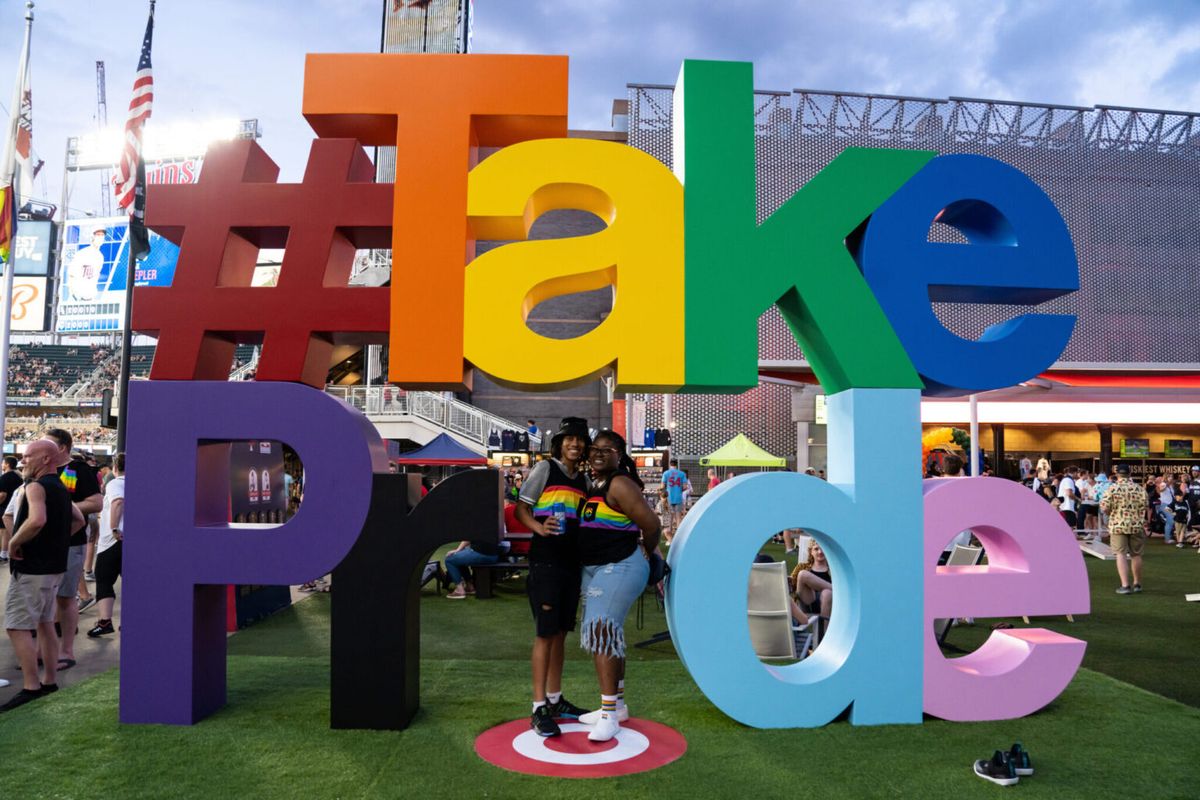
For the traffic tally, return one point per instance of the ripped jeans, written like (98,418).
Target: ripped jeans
(608,592)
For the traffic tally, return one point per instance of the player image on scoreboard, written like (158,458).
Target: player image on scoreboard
(95,256)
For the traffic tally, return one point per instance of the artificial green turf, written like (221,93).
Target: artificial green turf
(1102,738)
(1151,640)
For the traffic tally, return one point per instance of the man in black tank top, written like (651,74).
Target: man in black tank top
(554,570)
(37,560)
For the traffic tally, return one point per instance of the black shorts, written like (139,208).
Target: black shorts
(108,569)
(553,597)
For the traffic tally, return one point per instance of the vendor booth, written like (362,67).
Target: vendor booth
(443,451)
(741,452)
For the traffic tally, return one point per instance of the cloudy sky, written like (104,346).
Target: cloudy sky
(245,58)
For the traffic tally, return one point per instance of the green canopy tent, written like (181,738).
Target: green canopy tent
(741,452)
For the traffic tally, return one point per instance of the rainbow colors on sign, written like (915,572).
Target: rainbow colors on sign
(846,260)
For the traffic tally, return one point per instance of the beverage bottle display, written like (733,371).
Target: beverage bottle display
(560,513)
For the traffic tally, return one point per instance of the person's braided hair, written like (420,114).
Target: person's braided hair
(625,465)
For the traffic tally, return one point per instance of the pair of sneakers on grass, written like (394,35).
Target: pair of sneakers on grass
(1005,769)
(606,723)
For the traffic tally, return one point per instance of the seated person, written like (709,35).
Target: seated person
(460,561)
(516,535)
(814,585)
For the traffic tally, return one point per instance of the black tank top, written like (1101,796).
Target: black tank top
(46,553)
(606,534)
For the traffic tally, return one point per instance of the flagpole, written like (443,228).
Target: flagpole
(130,272)
(126,338)
(10,158)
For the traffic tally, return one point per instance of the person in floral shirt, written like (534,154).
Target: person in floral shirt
(1125,504)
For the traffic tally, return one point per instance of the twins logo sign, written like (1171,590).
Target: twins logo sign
(846,260)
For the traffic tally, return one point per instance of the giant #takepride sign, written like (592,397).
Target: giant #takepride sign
(846,260)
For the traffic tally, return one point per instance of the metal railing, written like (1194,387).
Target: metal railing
(464,419)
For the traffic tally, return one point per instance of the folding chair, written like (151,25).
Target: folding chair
(960,556)
(769,607)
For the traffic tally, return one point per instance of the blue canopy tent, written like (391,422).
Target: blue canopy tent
(442,452)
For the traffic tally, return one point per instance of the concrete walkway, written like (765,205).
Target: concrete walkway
(92,656)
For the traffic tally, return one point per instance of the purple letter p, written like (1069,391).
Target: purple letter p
(180,548)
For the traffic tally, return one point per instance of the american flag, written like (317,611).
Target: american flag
(140,106)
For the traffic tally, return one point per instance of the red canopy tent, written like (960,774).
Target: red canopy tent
(442,452)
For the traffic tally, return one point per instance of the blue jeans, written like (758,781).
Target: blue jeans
(456,563)
(609,591)
(1168,518)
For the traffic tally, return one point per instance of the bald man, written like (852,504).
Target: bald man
(37,560)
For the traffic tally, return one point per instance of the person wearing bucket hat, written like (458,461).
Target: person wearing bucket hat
(549,503)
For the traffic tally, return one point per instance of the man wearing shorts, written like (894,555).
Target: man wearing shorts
(554,570)
(675,480)
(1125,504)
(84,490)
(37,561)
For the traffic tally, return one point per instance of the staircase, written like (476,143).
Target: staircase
(421,416)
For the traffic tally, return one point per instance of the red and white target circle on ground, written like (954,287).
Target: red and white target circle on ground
(640,746)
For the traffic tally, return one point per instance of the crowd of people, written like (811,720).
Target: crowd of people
(47,371)
(85,429)
(62,530)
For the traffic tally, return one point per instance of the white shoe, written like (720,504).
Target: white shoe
(606,728)
(592,717)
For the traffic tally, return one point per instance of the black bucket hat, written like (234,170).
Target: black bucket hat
(572,426)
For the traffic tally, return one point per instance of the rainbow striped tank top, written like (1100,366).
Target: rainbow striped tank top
(606,534)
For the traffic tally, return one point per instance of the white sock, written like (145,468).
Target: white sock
(620,694)
(608,703)
(553,697)
(538,704)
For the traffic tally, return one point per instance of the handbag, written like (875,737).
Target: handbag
(658,569)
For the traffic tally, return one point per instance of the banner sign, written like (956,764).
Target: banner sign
(29,304)
(32,246)
(91,295)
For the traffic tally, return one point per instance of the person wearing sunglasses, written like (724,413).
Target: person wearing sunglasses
(617,533)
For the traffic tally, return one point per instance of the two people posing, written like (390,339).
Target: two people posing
(593,537)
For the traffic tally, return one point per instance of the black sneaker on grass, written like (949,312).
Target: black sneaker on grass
(543,722)
(998,769)
(565,708)
(21,698)
(1018,756)
(49,688)
(1137,588)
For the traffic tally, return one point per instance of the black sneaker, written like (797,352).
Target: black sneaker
(103,628)
(1137,588)
(21,698)
(997,769)
(543,722)
(565,708)
(49,688)
(1018,756)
